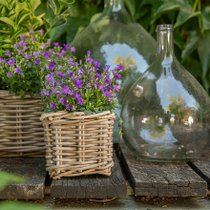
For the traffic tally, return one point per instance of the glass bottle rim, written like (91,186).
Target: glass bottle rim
(164,27)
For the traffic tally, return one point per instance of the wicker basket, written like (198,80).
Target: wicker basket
(21,131)
(78,144)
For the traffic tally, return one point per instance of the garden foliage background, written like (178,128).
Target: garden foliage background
(63,19)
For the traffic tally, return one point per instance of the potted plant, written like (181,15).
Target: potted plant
(79,97)
(21,132)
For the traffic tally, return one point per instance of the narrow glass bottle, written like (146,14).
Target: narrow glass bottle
(166,113)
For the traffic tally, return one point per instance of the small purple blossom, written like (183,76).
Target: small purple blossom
(68,107)
(20,52)
(45,93)
(89,60)
(9,74)
(88,53)
(50,78)
(46,54)
(35,54)
(2,60)
(27,56)
(18,71)
(116,88)
(63,101)
(52,105)
(52,66)
(118,76)
(61,74)
(72,49)
(21,43)
(56,44)
(7,53)
(107,94)
(98,76)
(11,62)
(67,90)
(37,62)
(78,83)
(41,32)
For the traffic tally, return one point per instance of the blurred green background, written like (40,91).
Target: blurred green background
(63,19)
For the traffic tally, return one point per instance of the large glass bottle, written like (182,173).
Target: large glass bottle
(114,38)
(166,112)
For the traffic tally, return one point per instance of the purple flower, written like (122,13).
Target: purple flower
(27,56)
(62,101)
(56,44)
(18,70)
(101,87)
(107,80)
(106,68)
(52,105)
(31,32)
(107,94)
(68,107)
(70,73)
(37,62)
(78,83)
(116,88)
(9,74)
(23,37)
(72,49)
(70,61)
(20,52)
(79,99)
(50,78)
(98,76)
(41,32)
(7,53)
(11,62)
(97,64)
(120,67)
(2,60)
(51,66)
(61,74)
(67,90)
(58,93)
(118,76)
(22,43)
(35,54)
(81,71)
(45,93)
(89,60)
(88,52)
(46,54)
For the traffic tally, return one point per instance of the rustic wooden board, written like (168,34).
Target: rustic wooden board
(33,172)
(161,179)
(92,186)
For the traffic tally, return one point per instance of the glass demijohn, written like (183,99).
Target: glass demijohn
(114,38)
(166,111)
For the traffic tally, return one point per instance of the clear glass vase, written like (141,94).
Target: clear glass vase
(114,38)
(166,112)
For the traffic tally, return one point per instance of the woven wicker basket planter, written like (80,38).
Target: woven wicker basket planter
(21,131)
(78,144)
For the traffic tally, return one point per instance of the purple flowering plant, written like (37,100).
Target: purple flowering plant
(78,85)
(20,66)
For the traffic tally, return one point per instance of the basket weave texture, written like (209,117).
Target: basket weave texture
(78,144)
(21,131)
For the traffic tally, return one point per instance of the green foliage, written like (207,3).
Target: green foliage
(191,20)
(17,17)
(5,179)
(19,68)
(14,205)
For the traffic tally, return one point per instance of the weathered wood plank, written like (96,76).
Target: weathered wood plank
(33,172)
(161,179)
(92,186)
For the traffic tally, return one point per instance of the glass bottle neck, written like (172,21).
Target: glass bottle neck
(116,11)
(165,42)
(113,5)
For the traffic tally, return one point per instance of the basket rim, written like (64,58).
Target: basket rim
(7,93)
(59,114)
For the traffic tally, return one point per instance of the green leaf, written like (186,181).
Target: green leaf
(167,7)
(205,16)
(7,21)
(204,51)
(12,205)
(191,44)
(4,3)
(73,24)
(57,31)
(6,178)
(131,6)
(184,15)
